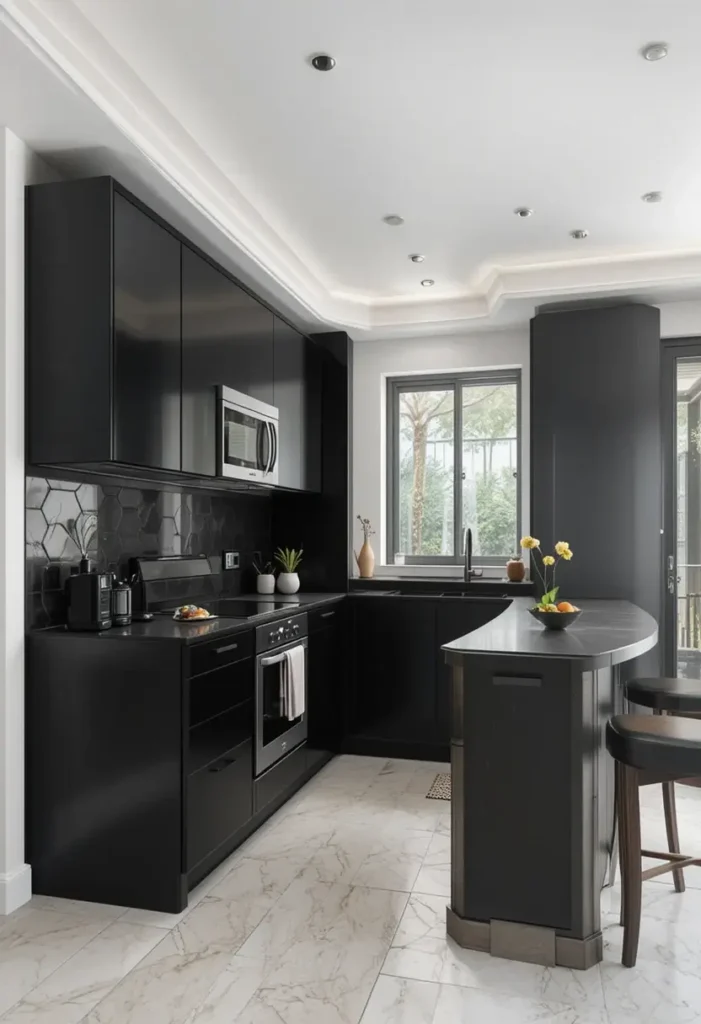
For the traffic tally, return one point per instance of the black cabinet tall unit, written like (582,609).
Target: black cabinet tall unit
(596,462)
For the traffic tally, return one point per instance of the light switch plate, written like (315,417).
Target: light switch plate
(230,559)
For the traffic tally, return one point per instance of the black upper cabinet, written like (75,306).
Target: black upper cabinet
(131,330)
(103,329)
(227,340)
(297,396)
(146,340)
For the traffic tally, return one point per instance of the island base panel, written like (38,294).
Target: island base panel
(532,944)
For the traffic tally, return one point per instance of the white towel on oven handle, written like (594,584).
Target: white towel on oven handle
(293,685)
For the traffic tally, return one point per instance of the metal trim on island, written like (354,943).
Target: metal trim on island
(532,782)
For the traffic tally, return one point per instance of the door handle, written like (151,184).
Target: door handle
(223,650)
(326,615)
(226,762)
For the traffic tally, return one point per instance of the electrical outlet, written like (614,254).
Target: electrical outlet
(231,560)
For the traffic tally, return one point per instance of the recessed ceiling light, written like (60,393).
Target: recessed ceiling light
(523,211)
(323,62)
(427,283)
(579,233)
(393,219)
(655,51)
(417,258)
(651,197)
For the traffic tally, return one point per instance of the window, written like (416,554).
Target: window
(453,463)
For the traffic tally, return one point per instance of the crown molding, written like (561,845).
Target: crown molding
(59,35)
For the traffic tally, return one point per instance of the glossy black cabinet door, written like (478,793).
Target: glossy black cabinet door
(146,395)
(227,340)
(289,396)
(394,691)
(326,679)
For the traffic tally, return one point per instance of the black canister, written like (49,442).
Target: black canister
(121,603)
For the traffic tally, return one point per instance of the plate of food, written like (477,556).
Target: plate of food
(192,613)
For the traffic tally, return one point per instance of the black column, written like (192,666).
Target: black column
(596,464)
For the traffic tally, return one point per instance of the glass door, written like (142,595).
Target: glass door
(682,569)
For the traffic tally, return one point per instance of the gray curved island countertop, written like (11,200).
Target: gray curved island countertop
(606,633)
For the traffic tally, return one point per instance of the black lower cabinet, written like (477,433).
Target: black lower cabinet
(327,679)
(219,802)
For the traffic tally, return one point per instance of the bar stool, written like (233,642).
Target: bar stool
(647,748)
(668,696)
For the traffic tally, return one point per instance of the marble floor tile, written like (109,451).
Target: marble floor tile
(650,993)
(35,943)
(401,1001)
(457,1005)
(394,861)
(421,949)
(68,994)
(335,1001)
(231,992)
(434,875)
(167,987)
(104,910)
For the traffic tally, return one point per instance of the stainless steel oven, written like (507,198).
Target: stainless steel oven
(248,437)
(276,734)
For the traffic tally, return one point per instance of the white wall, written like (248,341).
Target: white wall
(375,361)
(18,167)
(680,319)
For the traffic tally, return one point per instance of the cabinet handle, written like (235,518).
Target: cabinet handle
(326,615)
(221,765)
(223,650)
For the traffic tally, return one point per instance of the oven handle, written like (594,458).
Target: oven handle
(276,659)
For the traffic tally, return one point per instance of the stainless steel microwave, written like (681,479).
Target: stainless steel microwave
(248,437)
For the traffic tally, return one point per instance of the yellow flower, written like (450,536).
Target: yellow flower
(548,560)
(567,555)
(529,543)
(561,547)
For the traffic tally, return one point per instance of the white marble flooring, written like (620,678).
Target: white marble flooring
(334,913)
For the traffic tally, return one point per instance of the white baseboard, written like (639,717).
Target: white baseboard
(15,889)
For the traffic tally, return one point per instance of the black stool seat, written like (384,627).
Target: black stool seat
(682,695)
(656,743)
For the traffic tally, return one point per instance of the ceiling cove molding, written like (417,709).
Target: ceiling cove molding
(62,37)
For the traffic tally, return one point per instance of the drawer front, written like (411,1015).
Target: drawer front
(213,738)
(219,802)
(215,653)
(327,615)
(220,690)
(278,778)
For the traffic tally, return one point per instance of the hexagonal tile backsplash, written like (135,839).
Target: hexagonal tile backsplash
(129,521)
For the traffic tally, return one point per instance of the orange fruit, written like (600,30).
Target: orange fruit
(565,606)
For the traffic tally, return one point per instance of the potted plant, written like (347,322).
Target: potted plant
(289,561)
(265,582)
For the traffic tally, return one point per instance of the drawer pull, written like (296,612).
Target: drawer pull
(326,615)
(223,650)
(221,765)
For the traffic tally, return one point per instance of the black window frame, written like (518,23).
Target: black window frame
(437,382)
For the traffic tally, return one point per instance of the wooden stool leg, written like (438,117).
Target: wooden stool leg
(631,861)
(670,820)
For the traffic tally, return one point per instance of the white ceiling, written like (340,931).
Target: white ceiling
(450,113)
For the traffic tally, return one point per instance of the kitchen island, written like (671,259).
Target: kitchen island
(532,782)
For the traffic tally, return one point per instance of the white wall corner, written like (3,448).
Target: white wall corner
(15,889)
(19,167)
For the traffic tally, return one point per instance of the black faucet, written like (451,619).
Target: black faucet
(467,545)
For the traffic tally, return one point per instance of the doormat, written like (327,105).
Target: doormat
(440,787)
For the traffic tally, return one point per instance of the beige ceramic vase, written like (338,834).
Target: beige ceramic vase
(366,562)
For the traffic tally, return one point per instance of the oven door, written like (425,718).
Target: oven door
(276,735)
(248,438)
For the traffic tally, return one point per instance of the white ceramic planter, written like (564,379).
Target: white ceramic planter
(265,584)
(288,582)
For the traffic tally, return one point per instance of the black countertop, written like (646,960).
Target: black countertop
(607,633)
(163,627)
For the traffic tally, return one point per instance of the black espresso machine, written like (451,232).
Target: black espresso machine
(88,598)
